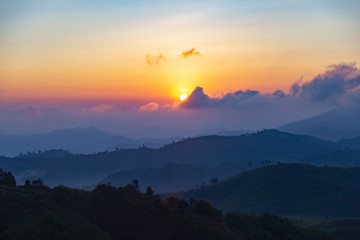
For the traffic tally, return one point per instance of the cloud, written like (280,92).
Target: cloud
(190,53)
(102,107)
(197,99)
(339,84)
(27,111)
(154,60)
(152,106)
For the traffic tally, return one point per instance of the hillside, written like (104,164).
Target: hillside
(36,212)
(288,189)
(242,152)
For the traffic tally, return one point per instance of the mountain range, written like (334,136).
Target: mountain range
(76,140)
(237,153)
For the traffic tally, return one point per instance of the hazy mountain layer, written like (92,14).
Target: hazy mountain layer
(335,125)
(247,151)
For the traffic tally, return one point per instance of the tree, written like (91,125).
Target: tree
(214,180)
(149,191)
(38,182)
(6,178)
(27,183)
(135,182)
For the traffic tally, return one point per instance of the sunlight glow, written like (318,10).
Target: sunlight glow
(183,96)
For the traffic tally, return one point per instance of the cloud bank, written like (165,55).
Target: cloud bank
(339,84)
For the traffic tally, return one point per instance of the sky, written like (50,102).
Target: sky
(108,63)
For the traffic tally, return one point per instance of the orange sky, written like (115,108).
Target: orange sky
(63,50)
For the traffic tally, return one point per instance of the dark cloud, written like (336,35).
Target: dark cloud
(190,53)
(339,84)
(197,99)
(338,81)
(154,60)
(279,94)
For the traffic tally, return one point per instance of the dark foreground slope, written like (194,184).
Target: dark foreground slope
(38,212)
(288,189)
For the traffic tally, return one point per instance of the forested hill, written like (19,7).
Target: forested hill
(79,169)
(36,212)
(288,189)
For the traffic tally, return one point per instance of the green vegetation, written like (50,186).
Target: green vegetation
(39,212)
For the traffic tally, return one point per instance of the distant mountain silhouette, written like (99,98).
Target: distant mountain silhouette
(77,140)
(335,125)
(240,153)
(288,189)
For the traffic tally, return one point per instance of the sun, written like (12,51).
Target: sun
(183,96)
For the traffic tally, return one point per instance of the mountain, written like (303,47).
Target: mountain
(241,152)
(287,189)
(77,140)
(340,123)
(271,145)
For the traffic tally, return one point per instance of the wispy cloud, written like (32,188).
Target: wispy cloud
(102,107)
(154,60)
(152,106)
(190,53)
(27,111)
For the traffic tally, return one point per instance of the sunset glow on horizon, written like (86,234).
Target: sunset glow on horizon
(63,52)
(132,61)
